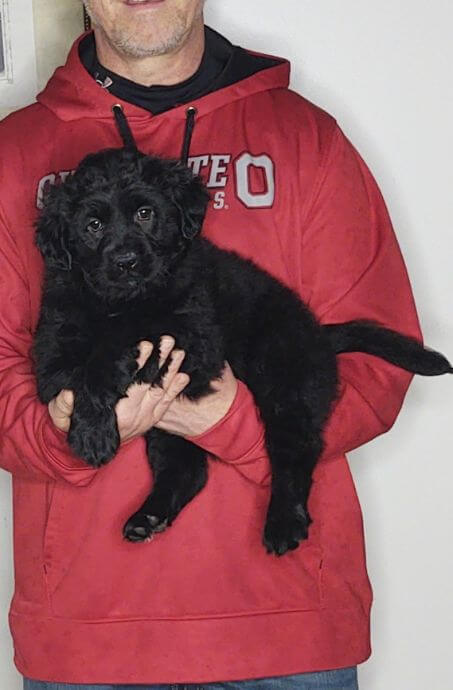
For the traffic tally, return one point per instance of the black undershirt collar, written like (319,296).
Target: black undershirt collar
(222,65)
(158,99)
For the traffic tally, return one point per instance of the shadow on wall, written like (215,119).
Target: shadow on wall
(56,27)
(57,24)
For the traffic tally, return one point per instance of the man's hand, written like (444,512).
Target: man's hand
(185,417)
(144,405)
(147,406)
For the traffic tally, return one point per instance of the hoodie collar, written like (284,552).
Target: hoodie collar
(72,94)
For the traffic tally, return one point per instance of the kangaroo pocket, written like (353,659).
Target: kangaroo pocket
(210,562)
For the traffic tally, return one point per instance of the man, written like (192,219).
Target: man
(203,603)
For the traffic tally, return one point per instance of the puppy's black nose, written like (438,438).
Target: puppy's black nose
(126,262)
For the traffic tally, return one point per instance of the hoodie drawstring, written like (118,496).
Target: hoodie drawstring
(128,138)
(124,128)
(190,124)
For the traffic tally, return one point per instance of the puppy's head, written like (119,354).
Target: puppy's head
(122,219)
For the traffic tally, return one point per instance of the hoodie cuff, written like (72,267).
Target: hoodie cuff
(238,438)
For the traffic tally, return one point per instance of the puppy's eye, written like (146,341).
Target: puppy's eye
(144,213)
(94,225)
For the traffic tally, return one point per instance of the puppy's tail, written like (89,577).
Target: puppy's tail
(398,349)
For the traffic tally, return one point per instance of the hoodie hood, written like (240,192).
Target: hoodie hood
(72,93)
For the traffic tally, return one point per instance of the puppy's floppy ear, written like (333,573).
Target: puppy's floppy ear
(190,197)
(52,230)
(184,190)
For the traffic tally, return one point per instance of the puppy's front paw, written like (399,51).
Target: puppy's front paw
(142,526)
(46,391)
(94,438)
(286,526)
(150,372)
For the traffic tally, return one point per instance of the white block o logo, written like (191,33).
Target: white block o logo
(248,198)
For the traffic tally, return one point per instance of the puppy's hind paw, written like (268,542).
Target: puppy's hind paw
(142,527)
(286,529)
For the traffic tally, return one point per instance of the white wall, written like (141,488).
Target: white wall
(56,25)
(384,69)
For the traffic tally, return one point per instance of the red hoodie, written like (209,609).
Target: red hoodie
(203,601)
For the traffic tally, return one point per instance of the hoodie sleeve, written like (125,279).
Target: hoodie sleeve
(352,268)
(238,438)
(30,444)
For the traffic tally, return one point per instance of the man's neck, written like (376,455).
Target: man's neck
(166,70)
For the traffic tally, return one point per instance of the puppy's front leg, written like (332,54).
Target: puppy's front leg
(93,434)
(180,472)
(61,347)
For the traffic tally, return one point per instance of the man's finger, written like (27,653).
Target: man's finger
(65,402)
(166,345)
(176,359)
(145,348)
(177,385)
(60,409)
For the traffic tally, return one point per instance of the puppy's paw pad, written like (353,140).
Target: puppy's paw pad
(157,524)
(142,527)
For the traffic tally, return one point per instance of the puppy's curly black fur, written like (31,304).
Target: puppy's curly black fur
(124,263)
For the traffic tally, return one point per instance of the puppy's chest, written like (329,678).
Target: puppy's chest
(129,328)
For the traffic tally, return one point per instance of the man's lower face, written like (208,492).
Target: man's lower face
(142,28)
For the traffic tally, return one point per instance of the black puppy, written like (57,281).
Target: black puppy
(124,263)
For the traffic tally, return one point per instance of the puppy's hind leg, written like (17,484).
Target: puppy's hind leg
(294,446)
(292,375)
(180,471)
